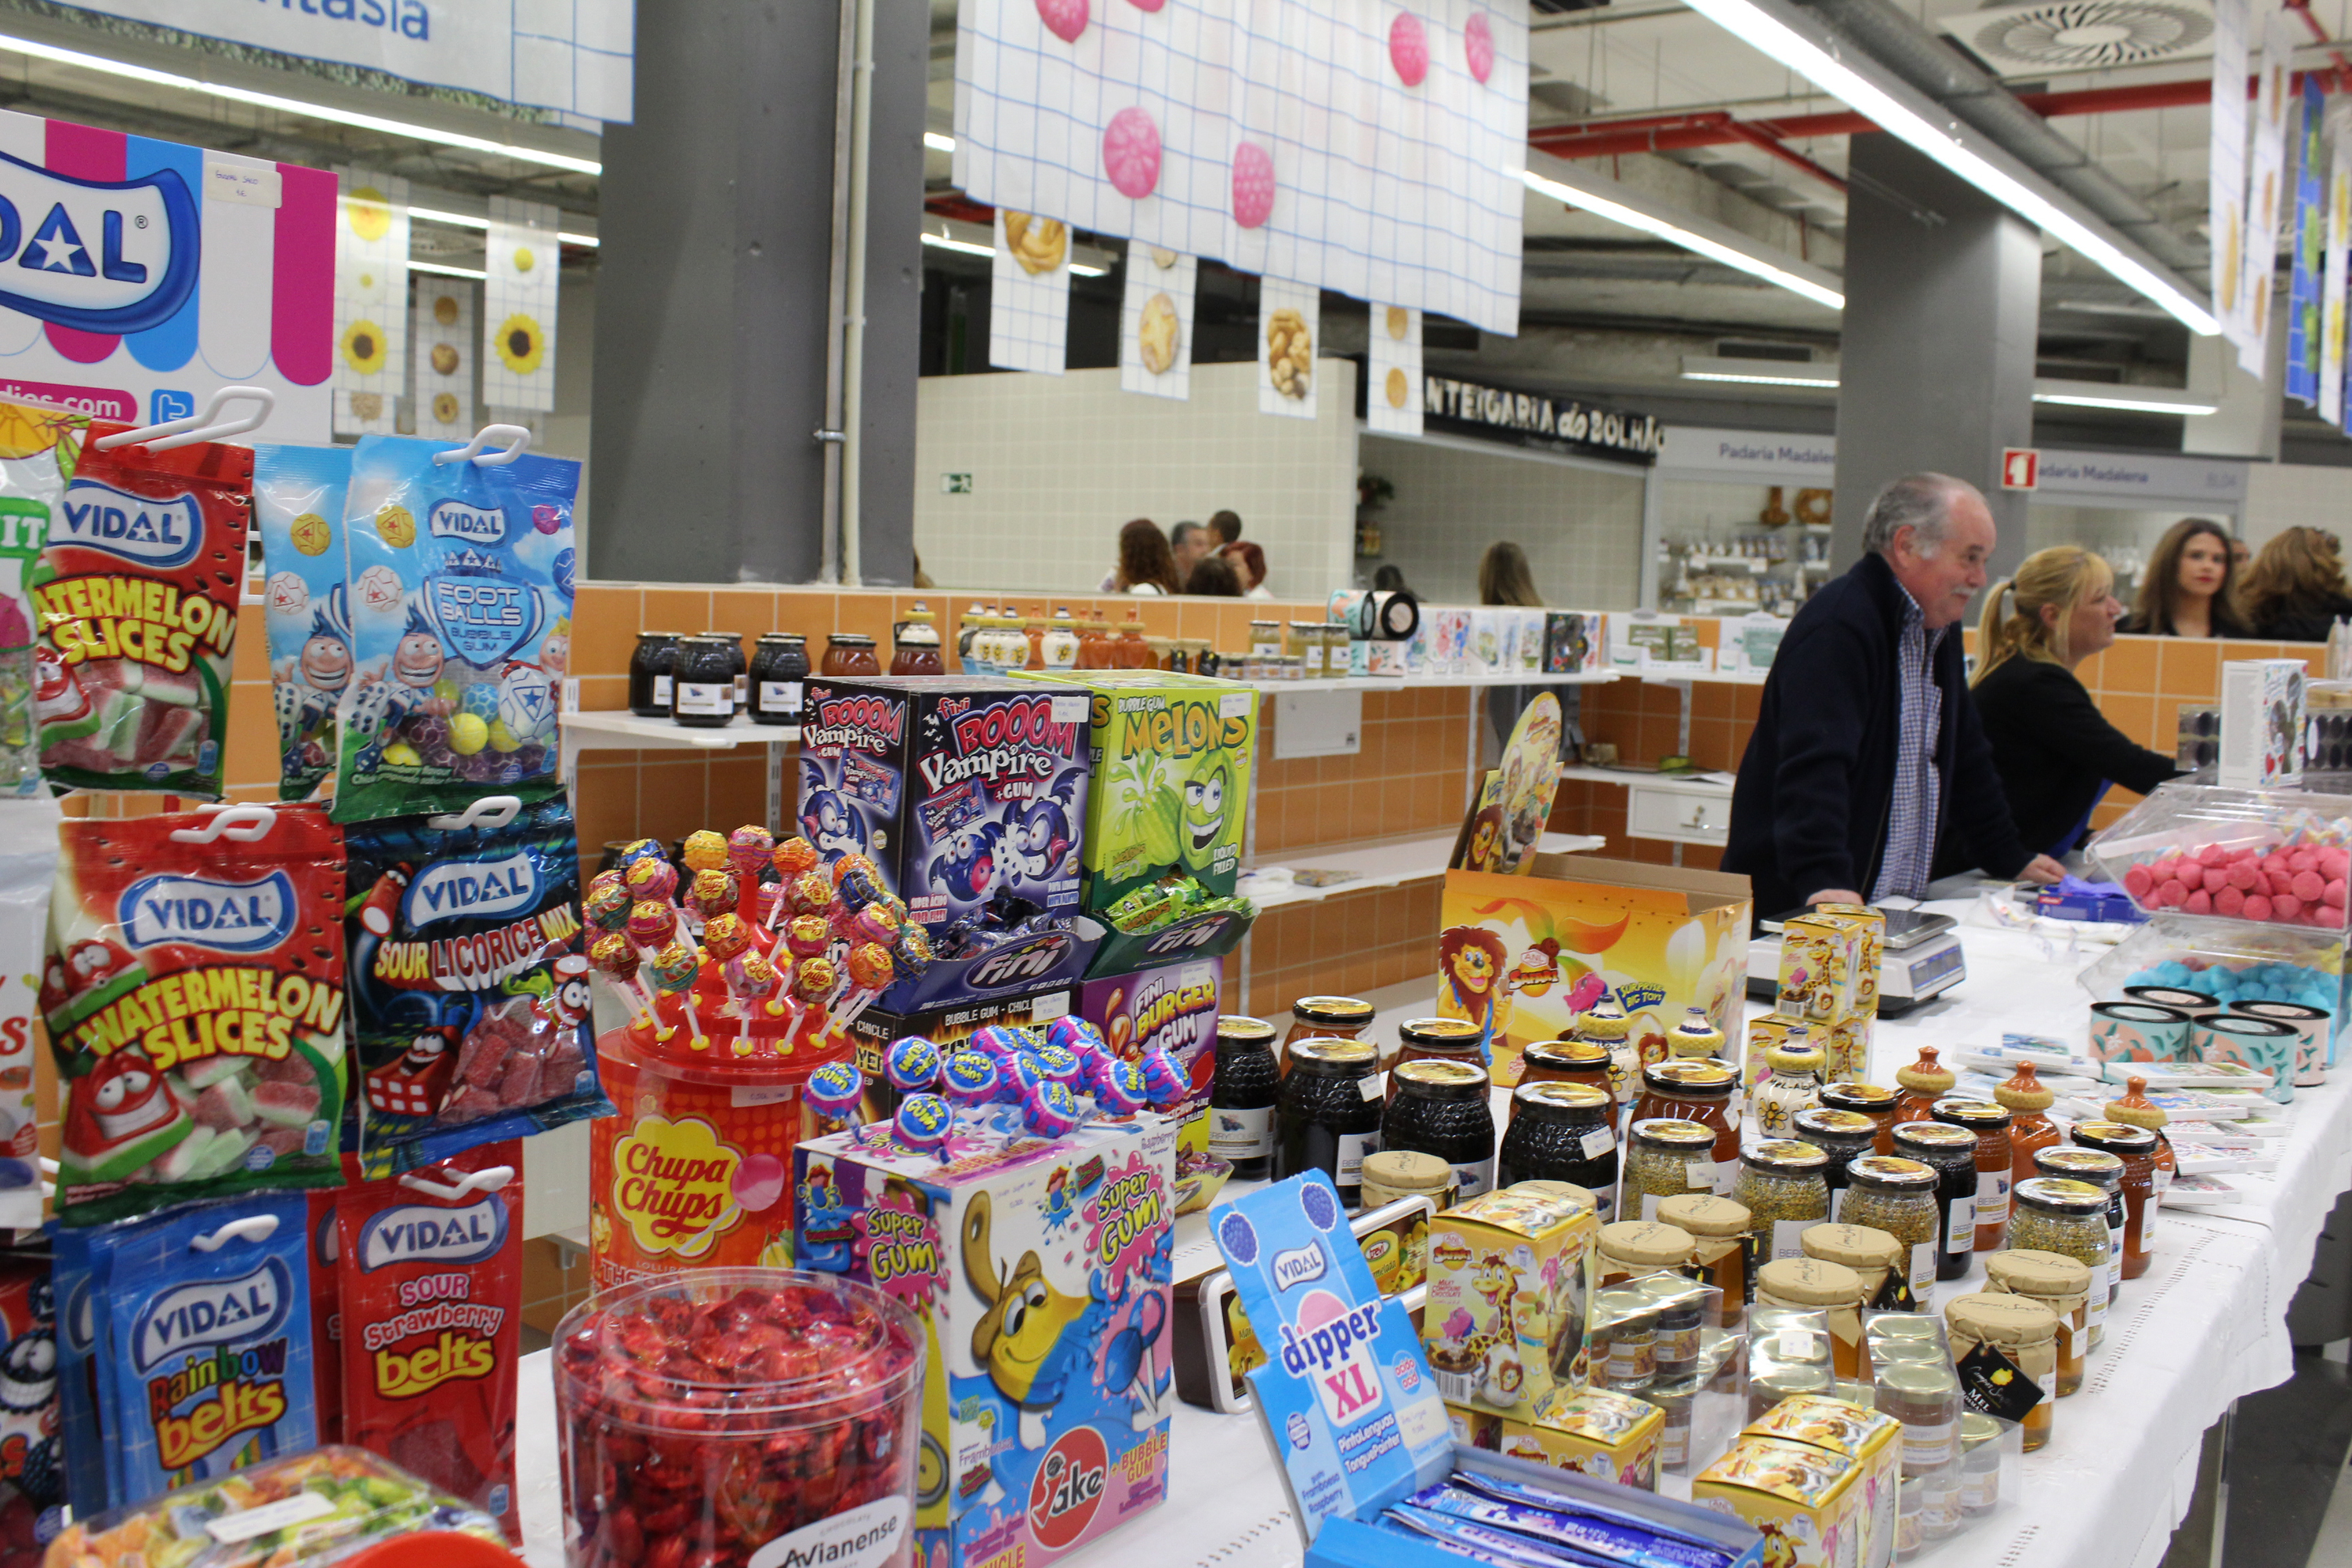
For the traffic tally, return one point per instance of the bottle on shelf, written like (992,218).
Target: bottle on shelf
(916,645)
(2030,1131)
(1058,644)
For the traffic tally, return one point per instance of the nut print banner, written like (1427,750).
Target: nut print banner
(371,301)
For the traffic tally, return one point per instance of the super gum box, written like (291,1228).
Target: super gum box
(1511,1274)
(1041,1272)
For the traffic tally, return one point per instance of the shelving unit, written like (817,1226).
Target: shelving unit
(1393,865)
(618,730)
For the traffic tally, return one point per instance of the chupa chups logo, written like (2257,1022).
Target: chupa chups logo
(211,1312)
(428,1233)
(104,255)
(1068,1488)
(477,889)
(674,1183)
(155,534)
(463,519)
(226,917)
(1019,965)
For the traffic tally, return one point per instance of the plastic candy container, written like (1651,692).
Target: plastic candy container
(2279,856)
(752,1414)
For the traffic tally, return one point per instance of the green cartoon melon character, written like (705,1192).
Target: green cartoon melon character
(1206,819)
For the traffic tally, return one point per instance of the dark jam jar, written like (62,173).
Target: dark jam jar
(1328,1017)
(1328,1116)
(1438,1040)
(777,669)
(1566,1061)
(1865,1100)
(847,655)
(1843,1135)
(1995,1163)
(649,674)
(1241,1101)
(1562,1132)
(1440,1109)
(738,667)
(702,691)
(1951,1153)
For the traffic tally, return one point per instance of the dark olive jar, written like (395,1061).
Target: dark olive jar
(1951,1153)
(703,692)
(1562,1132)
(650,668)
(1325,1118)
(777,667)
(1242,1096)
(1440,1109)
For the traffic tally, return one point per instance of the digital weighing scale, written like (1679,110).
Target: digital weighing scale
(1919,960)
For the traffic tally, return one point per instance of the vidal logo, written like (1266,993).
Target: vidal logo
(226,917)
(479,889)
(1068,1488)
(105,256)
(211,1312)
(149,532)
(423,1233)
(474,524)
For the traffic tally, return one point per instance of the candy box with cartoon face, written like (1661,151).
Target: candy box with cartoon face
(1040,1271)
(1594,1432)
(1805,1501)
(1170,1006)
(1510,1279)
(853,769)
(1825,975)
(1873,1442)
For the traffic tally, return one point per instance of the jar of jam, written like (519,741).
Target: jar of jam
(1328,1115)
(1924,1082)
(2056,1214)
(1718,1230)
(847,654)
(649,674)
(779,665)
(1630,1248)
(2136,1147)
(1692,1092)
(1326,1018)
(1568,1061)
(1562,1132)
(1888,1193)
(1951,1153)
(916,644)
(1095,650)
(2135,1110)
(1242,1096)
(1780,1187)
(1844,1136)
(1875,1256)
(1666,1159)
(1795,1085)
(1995,1166)
(2060,1283)
(2022,1095)
(1865,1100)
(1438,1040)
(1394,1173)
(1808,1284)
(703,692)
(738,667)
(1131,652)
(2021,1329)
(1440,1107)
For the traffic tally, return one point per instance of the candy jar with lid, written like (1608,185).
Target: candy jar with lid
(2029,1130)
(1605,1024)
(1924,1082)
(916,644)
(1130,651)
(1795,1085)
(1059,642)
(974,618)
(1696,1035)
(2135,1110)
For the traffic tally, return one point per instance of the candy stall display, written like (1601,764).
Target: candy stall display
(2275,856)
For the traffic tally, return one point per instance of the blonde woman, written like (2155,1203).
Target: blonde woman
(2055,752)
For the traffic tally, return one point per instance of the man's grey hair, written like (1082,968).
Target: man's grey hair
(1181,531)
(1920,502)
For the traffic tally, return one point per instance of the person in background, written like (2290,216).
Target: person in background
(2294,589)
(1503,577)
(2242,554)
(2186,590)
(1145,563)
(1189,542)
(1214,577)
(1389,579)
(1866,743)
(2055,752)
(1227,527)
(1249,563)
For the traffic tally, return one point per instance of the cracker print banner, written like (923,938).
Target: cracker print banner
(371,301)
(1155,324)
(1029,294)
(2332,284)
(442,367)
(2225,174)
(518,297)
(2266,197)
(1393,383)
(1356,145)
(1289,326)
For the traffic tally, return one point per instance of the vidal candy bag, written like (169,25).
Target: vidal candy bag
(136,598)
(32,1472)
(326,1305)
(468,985)
(193,995)
(207,1359)
(28,863)
(78,1289)
(431,1274)
(37,447)
(297,505)
(461,600)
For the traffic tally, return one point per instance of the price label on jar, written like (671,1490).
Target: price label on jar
(1961,1222)
(704,698)
(781,695)
(1247,1134)
(1992,1198)
(1789,1237)
(1923,1269)
(1597,1141)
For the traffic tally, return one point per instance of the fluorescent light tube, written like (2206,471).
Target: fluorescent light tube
(454,220)
(2129,399)
(1761,379)
(950,242)
(938,143)
(1606,198)
(474,272)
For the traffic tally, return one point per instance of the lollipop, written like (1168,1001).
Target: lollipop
(913,949)
(876,922)
(674,970)
(792,857)
(1121,1092)
(805,936)
(615,958)
(607,902)
(847,864)
(651,923)
(653,879)
(922,1122)
(856,891)
(807,894)
(712,892)
(870,971)
(911,1063)
(704,850)
(747,849)
(834,1091)
(812,981)
(1073,1034)
(1057,1065)
(751,980)
(638,849)
(1049,1111)
(1023,1074)
(969,1077)
(1163,1079)
(725,936)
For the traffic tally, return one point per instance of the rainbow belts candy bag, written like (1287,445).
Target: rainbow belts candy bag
(461,601)
(297,505)
(194,995)
(469,990)
(136,597)
(37,452)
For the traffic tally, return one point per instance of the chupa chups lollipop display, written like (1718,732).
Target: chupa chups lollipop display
(676,969)
(193,997)
(712,893)
(704,850)
(136,600)
(461,585)
(298,510)
(651,878)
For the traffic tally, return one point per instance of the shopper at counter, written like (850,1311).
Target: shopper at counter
(1213,578)
(1189,542)
(2054,751)
(2187,590)
(1145,565)
(1248,563)
(2294,589)
(1865,743)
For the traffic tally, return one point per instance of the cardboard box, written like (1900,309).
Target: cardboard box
(1511,1275)
(1027,1261)
(1595,1432)
(2261,723)
(872,1031)
(1806,1501)
(1170,1006)
(1659,939)
(1825,976)
(1872,1442)
(1476,1428)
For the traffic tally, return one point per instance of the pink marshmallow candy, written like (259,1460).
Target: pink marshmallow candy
(2242,875)
(2214,879)
(1131,152)
(1253,185)
(1408,48)
(2229,902)
(2172,895)
(1478,48)
(2308,886)
(2199,902)
(1065,19)
(2258,908)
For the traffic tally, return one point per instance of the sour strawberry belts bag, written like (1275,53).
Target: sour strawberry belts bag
(194,995)
(298,502)
(136,595)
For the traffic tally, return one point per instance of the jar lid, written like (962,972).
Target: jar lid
(1403,1171)
(1786,1157)
(1603,1021)
(1915,1326)
(1839,1126)
(1647,1243)
(1703,1215)
(850,639)
(1345,1011)
(1567,1055)
(1977,1430)
(1809,1282)
(2117,1137)
(2087,1164)
(1924,1075)
(1690,1075)
(1796,1058)
(1449,1080)
(1790,1379)
(1233,1027)
(2022,1090)
(1891,1173)
(1553,1095)
(782,638)
(1851,1246)
(1983,1114)
(2024,1271)
(2135,1108)
(1668,1133)
(1440,1034)
(1676,1294)
(1884,1353)
(659,637)
(1918,1380)
(1694,1024)
(2057,1194)
(1352,1057)
(1936,1137)
(1857,1097)
(2011,1322)
(1554,1191)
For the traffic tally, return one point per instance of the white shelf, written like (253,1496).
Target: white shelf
(619,730)
(1392,865)
(1426,682)
(1678,783)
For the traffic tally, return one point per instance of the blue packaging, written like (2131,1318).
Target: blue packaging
(297,505)
(78,1259)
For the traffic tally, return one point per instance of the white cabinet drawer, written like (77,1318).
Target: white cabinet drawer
(1686,816)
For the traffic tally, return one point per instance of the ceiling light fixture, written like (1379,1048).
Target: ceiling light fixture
(295,106)
(1760,372)
(1797,41)
(2068,393)
(1606,198)
(476,273)
(969,248)
(938,143)
(466,220)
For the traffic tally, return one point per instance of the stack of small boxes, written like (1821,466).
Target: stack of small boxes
(1820,1478)
(1827,990)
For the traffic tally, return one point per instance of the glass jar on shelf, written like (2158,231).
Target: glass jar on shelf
(2136,1148)
(2135,1110)
(2030,1129)
(1865,1100)
(1897,1195)
(2105,1170)
(1568,1061)
(848,654)
(1843,1135)
(1951,1153)
(1996,1165)
(1666,1159)
(1795,1085)
(2070,1218)
(1326,1018)
(1924,1082)
(1810,1285)
(2022,1330)
(2059,1282)
(1718,1231)
(1874,1256)
(1781,1188)
(1692,1092)
(915,645)
(1630,1248)
(1562,1132)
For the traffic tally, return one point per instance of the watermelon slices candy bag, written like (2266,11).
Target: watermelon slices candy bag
(37,447)
(297,506)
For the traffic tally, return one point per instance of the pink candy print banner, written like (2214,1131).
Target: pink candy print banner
(1370,147)
(137,277)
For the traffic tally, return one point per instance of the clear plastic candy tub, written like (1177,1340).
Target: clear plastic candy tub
(2276,857)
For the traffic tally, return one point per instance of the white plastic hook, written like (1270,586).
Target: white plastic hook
(252,1228)
(489,1180)
(489,811)
(198,427)
(245,824)
(519,441)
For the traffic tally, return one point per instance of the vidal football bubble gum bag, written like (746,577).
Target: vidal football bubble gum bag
(136,598)
(468,986)
(297,505)
(430,1273)
(194,995)
(28,863)
(461,600)
(37,452)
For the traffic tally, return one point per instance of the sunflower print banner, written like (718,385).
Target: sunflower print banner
(371,300)
(441,389)
(518,306)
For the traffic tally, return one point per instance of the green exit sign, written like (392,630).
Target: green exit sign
(955,484)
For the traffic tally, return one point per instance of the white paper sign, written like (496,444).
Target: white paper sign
(1155,324)
(1029,294)
(441,364)
(518,297)
(1393,392)
(1289,330)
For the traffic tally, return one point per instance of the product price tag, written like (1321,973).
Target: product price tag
(1596,1143)
(244,1525)
(661,690)
(1700,1175)
(1995,1385)
(704,698)
(1789,1237)
(1369,1088)
(1923,1268)
(1959,1229)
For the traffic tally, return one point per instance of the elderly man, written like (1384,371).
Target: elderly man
(1189,542)
(1866,741)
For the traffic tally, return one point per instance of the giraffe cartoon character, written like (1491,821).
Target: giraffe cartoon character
(1496,1344)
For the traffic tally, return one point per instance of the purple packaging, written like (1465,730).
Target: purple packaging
(853,757)
(1172,1007)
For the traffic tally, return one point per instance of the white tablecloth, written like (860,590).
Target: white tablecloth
(2205,1325)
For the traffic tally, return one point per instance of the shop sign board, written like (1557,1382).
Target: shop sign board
(1566,424)
(2151,478)
(1772,456)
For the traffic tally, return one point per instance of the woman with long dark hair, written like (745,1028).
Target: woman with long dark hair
(2186,590)
(1145,565)
(2295,591)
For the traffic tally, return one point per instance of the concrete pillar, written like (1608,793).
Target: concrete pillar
(716,216)
(1943,293)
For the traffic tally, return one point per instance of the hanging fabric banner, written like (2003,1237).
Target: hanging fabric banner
(2310,231)
(1155,323)
(371,301)
(1289,326)
(2226,166)
(519,305)
(2332,286)
(1393,394)
(2266,189)
(442,383)
(1029,294)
